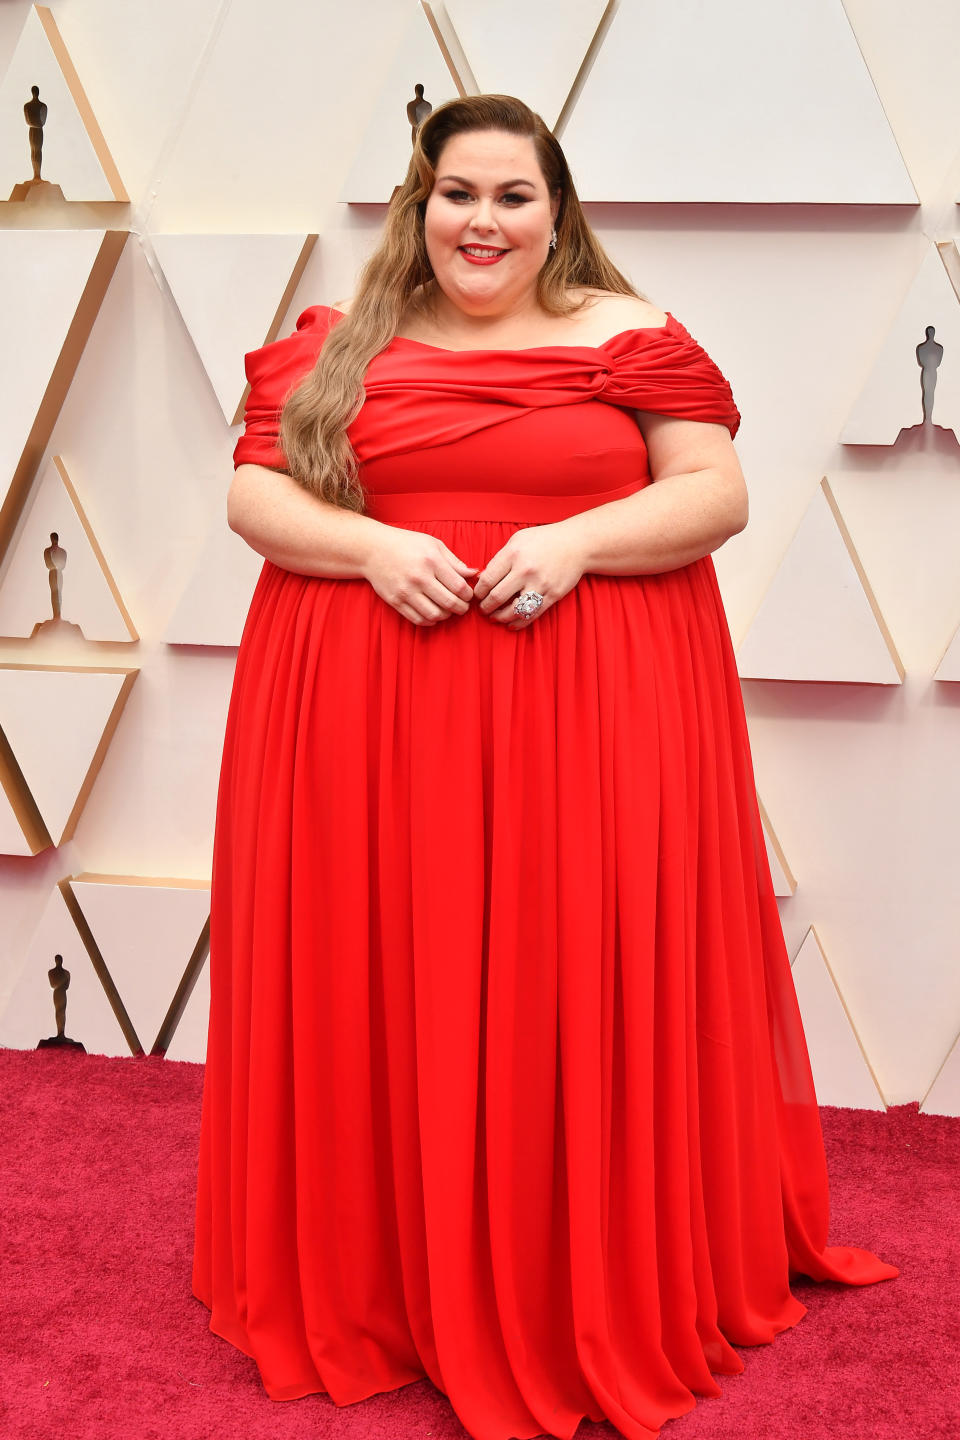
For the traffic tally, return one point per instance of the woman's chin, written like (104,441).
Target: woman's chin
(478,296)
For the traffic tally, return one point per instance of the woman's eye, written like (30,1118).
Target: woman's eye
(511,197)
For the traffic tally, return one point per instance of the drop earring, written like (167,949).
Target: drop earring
(553,238)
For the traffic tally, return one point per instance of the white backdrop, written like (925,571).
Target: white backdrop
(219,125)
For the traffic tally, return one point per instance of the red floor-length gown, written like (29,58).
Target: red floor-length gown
(506,1081)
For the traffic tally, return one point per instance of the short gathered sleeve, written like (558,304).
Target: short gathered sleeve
(273,371)
(665,370)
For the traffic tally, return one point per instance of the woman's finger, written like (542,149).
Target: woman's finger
(408,613)
(455,584)
(427,608)
(439,594)
(495,573)
(461,566)
(499,594)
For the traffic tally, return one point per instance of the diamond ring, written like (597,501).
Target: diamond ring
(527,602)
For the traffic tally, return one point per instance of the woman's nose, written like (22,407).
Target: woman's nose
(482,218)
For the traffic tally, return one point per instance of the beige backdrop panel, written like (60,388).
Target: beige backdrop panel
(87,595)
(758,101)
(145,930)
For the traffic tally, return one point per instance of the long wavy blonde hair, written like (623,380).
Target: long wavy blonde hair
(318,411)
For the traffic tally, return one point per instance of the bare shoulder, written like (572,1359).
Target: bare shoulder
(343,305)
(613,313)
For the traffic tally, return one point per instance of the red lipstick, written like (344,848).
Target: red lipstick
(483,259)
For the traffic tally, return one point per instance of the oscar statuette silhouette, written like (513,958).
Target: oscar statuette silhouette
(417,111)
(55,559)
(59,978)
(35,114)
(929,354)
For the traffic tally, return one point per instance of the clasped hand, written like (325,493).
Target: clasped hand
(424,581)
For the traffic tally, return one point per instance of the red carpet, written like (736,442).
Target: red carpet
(100,1338)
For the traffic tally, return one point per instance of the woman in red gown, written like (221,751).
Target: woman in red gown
(506,1081)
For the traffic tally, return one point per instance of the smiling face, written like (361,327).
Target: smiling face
(487,222)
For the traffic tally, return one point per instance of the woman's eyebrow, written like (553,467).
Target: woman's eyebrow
(505,185)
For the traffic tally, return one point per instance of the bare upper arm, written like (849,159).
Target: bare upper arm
(680,447)
(252,481)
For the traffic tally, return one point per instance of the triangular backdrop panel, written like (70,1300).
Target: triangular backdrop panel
(499,37)
(51,285)
(13,838)
(819,620)
(784,883)
(74,154)
(58,724)
(387,144)
(892,399)
(949,667)
(233,292)
(763,101)
(145,931)
(190,1037)
(943,1097)
(214,606)
(842,1073)
(29,1014)
(89,596)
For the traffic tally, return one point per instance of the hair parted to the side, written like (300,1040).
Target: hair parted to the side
(317,412)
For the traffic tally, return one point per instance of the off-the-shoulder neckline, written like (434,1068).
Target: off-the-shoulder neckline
(533,349)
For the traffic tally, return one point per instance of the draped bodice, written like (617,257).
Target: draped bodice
(546,421)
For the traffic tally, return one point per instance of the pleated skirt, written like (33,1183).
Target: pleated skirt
(506,1081)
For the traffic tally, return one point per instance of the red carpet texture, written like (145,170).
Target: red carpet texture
(100,1337)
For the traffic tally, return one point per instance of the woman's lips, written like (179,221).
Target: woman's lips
(482,259)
